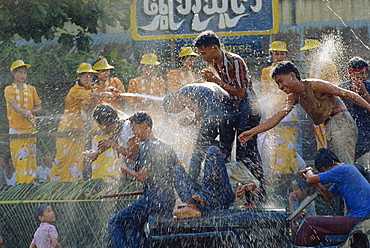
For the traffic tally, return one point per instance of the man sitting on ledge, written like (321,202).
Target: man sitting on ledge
(346,181)
(221,184)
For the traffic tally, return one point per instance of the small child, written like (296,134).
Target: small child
(9,171)
(46,236)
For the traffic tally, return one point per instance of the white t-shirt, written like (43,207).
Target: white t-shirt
(43,173)
(12,181)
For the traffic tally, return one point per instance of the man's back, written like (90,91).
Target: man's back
(349,183)
(159,159)
(210,98)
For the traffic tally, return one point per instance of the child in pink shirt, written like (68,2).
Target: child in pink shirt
(46,236)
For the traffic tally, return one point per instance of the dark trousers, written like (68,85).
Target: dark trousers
(315,227)
(131,219)
(246,118)
(215,188)
(208,131)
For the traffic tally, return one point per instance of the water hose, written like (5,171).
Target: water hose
(41,139)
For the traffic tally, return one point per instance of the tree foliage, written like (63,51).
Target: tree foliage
(37,19)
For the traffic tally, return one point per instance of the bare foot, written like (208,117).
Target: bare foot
(198,198)
(190,211)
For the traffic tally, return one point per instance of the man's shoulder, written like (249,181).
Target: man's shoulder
(233,56)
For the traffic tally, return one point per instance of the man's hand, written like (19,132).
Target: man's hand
(27,114)
(105,144)
(209,76)
(245,136)
(358,86)
(90,155)
(242,188)
(302,173)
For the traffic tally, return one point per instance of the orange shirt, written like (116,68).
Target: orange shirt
(156,87)
(27,99)
(176,79)
(73,118)
(111,82)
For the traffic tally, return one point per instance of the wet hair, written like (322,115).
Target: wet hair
(284,68)
(105,115)
(142,117)
(325,158)
(357,62)
(39,211)
(207,39)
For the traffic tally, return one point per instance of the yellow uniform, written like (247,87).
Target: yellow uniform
(68,163)
(156,87)
(279,144)
(107,163)
(176,79)
(23,150)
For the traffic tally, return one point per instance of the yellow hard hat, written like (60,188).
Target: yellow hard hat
(278,46)
(102,65)
(149,59)
(18,63)
(187,51)
(85,67)
(310,43)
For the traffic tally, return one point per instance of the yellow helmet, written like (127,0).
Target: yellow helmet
(85,67)
(187,51)
(278,46)
(102,65)
(310,43)
(149,59)
(18,63)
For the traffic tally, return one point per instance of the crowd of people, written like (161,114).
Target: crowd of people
(223,107)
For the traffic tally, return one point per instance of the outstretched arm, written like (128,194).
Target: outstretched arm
(323,87)
(270,122)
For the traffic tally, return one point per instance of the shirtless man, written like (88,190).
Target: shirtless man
(321,100)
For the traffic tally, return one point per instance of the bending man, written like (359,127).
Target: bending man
(346,181)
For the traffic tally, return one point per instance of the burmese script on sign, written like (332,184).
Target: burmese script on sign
(189,17)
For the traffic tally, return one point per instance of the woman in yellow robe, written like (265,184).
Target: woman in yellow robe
(278,150)
(147,84)
(106,165)
(68,163)
(176,79)
(22,103)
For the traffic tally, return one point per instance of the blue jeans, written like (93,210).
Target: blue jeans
(208,131)
(246,118)
(133,217)
(215,188)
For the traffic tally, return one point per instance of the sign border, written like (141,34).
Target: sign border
(136,36)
